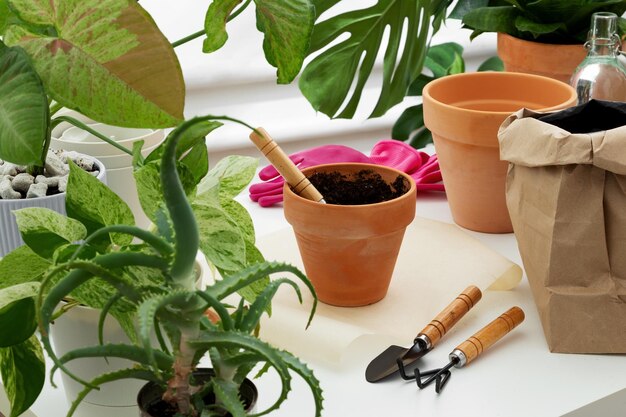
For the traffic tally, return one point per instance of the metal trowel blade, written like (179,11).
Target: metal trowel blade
(385,364)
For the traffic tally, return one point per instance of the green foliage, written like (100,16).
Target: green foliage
(23,372)
(45,230)
(327,81)
(286,25)
(111,44)
(17,313)
(83,190)
(547,21)
(152,280)
(23,108)
(21,266)
(442,60)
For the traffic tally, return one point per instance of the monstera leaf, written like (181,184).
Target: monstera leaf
(104,58)
(23,109)
(286,24)
(327,80)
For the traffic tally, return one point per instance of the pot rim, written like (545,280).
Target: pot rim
(410,193)
(496,74)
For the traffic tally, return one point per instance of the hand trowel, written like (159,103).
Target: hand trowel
(386,364)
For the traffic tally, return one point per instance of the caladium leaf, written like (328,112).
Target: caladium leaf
(24,114)
(215,24)
(104,58)
(287,25)
(328,79)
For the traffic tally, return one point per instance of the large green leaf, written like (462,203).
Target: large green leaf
(23,372)
(21,266)
(231,175)
(150,190)
(221,240)
(23,108)
(104,58)
(95,205)
(45,230)
(328,79)
(17,313)
(492,19)
(287,25)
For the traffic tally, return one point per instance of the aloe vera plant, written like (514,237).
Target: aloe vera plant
(174,308)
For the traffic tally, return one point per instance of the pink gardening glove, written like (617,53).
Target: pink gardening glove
(423,168)
(270,191)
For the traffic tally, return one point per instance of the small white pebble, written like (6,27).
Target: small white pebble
(55,166)
(51,182)
(63,183)
(6,190)
(37,190)
(22,182)
(8,169)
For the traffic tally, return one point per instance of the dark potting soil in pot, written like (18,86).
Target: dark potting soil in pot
(363,187)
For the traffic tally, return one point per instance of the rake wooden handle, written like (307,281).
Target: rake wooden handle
(450,316)
(488,335)
(285,166)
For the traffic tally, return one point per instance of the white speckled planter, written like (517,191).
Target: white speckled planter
(9,234)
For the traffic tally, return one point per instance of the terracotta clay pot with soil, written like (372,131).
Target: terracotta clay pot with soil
(464,113)
(349,250)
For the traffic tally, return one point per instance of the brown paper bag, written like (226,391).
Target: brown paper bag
(566,194)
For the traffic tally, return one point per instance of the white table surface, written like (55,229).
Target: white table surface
(517,377)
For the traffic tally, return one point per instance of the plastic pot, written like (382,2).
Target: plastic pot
(150,396)
(550,60)
(464,113)
(349,252)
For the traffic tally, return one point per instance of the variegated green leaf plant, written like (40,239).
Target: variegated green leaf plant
(155,278)
(106,59)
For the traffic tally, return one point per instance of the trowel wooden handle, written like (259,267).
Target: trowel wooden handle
(444,321)
(490,334)
(285,166)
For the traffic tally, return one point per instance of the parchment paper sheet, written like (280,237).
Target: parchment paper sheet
(436,262)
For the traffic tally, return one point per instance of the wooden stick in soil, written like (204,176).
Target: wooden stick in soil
(285,166)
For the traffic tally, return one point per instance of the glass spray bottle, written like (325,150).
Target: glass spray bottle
(601,75)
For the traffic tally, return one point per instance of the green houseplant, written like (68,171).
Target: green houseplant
(542,37)
(154,277)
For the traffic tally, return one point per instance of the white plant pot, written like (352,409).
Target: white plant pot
(10,237)
(79,328)
(118,163)
(62,127)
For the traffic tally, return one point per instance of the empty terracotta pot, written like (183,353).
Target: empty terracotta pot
(464,113)
(349,252)
(550,60)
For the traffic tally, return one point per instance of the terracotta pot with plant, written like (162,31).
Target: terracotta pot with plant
(543,37)
(464,112)
(349,246)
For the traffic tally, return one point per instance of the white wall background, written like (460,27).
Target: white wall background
(237,81)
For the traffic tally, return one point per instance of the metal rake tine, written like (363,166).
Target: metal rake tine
(442,381)
(433,375)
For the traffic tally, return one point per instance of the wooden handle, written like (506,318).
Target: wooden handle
(445,320)
(285,166)
(491,333)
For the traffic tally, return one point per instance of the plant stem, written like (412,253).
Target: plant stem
(55,108)
(199,33)
(86,128)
